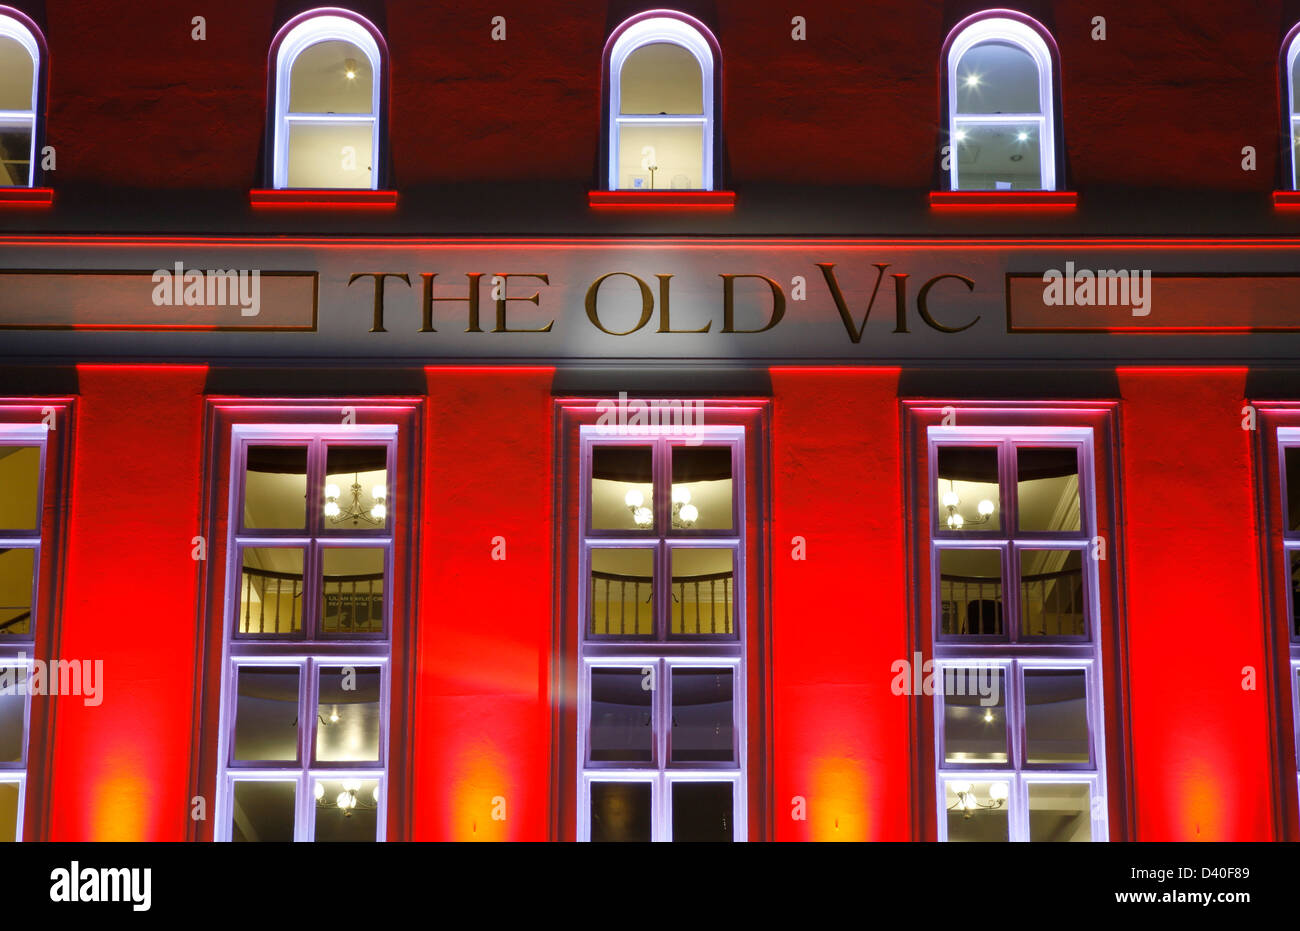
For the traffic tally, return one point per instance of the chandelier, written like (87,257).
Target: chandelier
(355,511)
(955,521)
(685,514)
(968,804)
(349,799)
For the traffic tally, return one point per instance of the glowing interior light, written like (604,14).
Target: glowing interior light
(950,499)
(352,785)
(961,135)
(334,715)
(343,799)
(998,791)
(1022,137)
(972,80)
(380,493)
(986,507)
(331,509)
(320,791)
(643,517)
(331,491)
(375,793)
(960,788)
(970,802)
(955,521)
(988,717)
(689,513)
(681,494)
(350,69)
(634,498)
(379,512)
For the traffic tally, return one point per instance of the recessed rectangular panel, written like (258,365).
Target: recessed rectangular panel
(621,811)
(330,154)
(1052,593)
(352,597)
(20,477)
(1047,488)
(622,488)
(970,592)
(1060,811)
(703,592)
(275,488)
(621,596)
(702,484)
(271,592)
(966,491)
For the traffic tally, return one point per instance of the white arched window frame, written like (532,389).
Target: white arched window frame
(11,28)
(676,31)
(1293,105)
(990,28)
(323,27)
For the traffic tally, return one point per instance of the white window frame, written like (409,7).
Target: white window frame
(985,28)
(1015,655)
(664,655)
(19,652)
(11,28)
(1293,105)
(678,30)
(307,655)
(322,28)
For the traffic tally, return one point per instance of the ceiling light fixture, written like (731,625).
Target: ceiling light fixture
(968,804)
(356,511)
(955,520)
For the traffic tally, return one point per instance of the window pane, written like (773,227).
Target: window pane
(266,713)
(275,488)
(262,811)
(702,496)
(331,77)
(622,488)
(974,715)
(1051,593)
(1293,487)
(674,150)
(998,156)
(353,590)
(347,717)
(621,709)
(1056,716)
(16,568)
(661,77)
(13,706)
(970,592)
(967,492)
(1059,812)
(977,811)
(20,473)
(270,600)
(8,811)
(16,154)
(1047,488)
(620,811)
(997,77)
(330,155)
(356,488)
(703,811)
(346,809)
(622,592)
(703,713)
(1295,593)
(17,75)
(703,588)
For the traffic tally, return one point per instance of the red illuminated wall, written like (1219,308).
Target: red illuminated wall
(120,770)
(1168,99)
(483,628)
(839,617)
(1202,765)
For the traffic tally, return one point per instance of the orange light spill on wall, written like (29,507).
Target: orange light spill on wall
(839,615)
(480,797)
(1201,753)
(121,769)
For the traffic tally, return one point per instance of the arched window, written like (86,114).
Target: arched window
(329,72)
(1291,51)
(1001,104)
(662,91)
(20,70)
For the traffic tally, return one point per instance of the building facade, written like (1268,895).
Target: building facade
(599,421)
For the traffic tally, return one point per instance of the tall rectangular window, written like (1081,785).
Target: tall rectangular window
(1019,734)
(22,480)
(305,695)
(661,720)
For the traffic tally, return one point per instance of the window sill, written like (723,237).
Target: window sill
(324,198)
(662,200)
(1286,200)
(1004,200)
(26,196)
